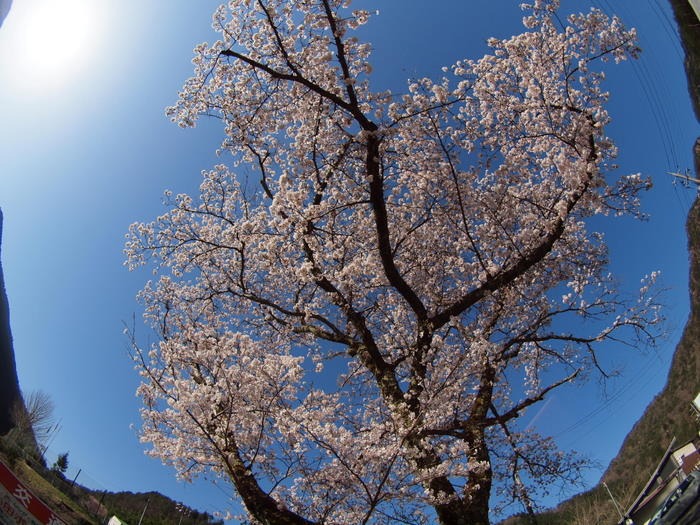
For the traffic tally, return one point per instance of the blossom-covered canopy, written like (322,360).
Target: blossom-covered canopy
(363,299)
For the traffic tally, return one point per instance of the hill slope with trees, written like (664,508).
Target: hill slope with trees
(78,505)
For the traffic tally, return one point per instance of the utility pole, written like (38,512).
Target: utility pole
(76,477)
(617,507)
(183,512)
(144,509)
(684,176)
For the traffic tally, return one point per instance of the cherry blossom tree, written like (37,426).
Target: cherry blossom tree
(355,310)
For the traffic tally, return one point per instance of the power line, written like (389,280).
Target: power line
(612,399)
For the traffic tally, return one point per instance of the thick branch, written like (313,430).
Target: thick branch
(260,504)
(519,268)
(293,77)
(381,220)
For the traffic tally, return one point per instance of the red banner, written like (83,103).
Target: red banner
(18,504)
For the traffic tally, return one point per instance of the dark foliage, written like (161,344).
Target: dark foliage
(689,29)
(61,464)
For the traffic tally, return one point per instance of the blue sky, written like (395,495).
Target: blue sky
(85,150)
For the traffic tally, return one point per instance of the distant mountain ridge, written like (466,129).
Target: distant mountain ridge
(160,510)
(690,38)
(10,395)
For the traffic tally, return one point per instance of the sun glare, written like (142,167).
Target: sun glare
(52,40)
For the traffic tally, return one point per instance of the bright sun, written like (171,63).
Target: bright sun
(52,40)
